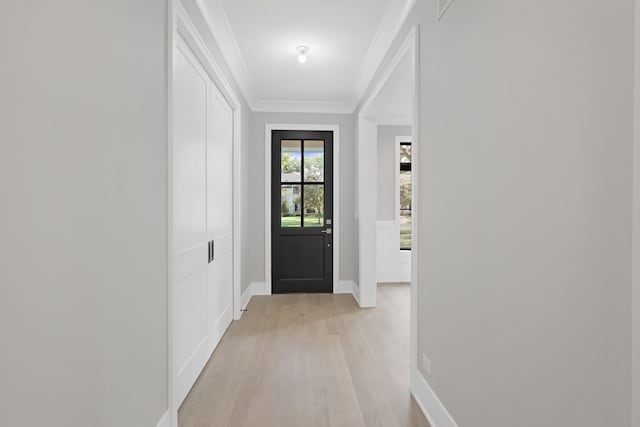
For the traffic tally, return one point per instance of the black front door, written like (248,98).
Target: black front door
(302,211)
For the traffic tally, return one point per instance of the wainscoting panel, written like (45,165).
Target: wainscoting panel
(392,264)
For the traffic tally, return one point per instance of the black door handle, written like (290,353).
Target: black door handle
(211,252)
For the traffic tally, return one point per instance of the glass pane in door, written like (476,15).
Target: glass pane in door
(314,161)
(290,161)
(290,206)
(313,205)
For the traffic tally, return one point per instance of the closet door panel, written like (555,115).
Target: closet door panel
(190,310)
(219,214)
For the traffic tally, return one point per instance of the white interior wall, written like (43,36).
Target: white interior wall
(366,207)
(525,210)
(83,179)
(635,308)
(256,210)
(84,284)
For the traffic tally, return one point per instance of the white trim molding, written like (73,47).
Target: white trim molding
(279,106)
(366,159)
(344,287)
(259,288)
(431,406)
(348,287)
(415,158)
(356,292)
(366,225)
(254,289)
(172,412)
(267,195)
(165,421)
(443,5)
(366,102)
(392,21)
(218,22)
(246,297)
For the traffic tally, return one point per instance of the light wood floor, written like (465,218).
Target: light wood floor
(310,360)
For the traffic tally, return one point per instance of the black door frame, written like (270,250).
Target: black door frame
(274,205)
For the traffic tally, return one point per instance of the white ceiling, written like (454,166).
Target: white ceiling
(347,39)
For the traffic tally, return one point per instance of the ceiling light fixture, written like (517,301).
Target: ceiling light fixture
(302,54)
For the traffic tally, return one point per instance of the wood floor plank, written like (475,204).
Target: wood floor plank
(312,361)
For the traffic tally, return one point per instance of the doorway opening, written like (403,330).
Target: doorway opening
(387,155)
(294,219)
(302,211)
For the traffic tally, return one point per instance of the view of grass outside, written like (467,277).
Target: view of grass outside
(310,220)
(314,220)
(290,221)
(307,198)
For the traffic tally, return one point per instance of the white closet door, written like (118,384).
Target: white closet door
(191,95)
(203,203)
(219,215)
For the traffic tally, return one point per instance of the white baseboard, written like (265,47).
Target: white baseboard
(356,293)
(165,421)
(259,288)
(348,287)
(428,401)
(255,288)
(245,298)
(399,276)
(220,326)
(343,287)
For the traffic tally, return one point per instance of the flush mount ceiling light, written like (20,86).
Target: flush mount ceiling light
(302,54)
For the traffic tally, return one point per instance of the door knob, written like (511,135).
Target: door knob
(327,231)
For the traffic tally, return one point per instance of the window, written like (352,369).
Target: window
(405,196)
(302,183)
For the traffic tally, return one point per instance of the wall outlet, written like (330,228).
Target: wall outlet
(426,364)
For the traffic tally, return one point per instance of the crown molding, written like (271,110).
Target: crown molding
(443,5)
(286,106)
(395,15)
(218,22)
(216,18)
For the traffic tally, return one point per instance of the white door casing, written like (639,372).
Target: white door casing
(269,128)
